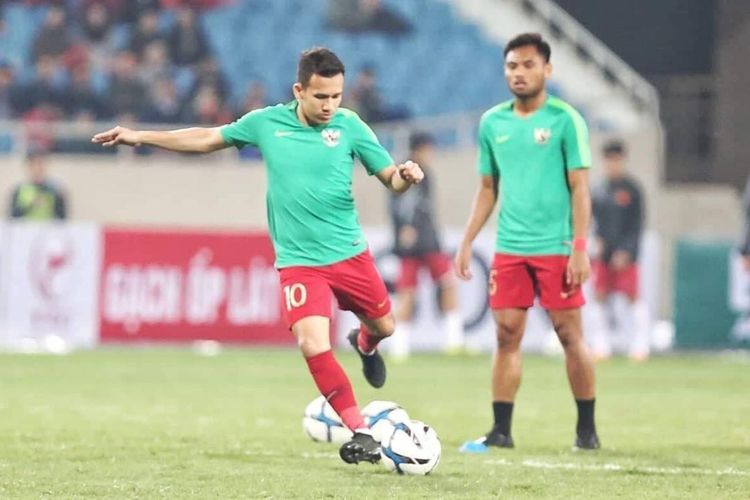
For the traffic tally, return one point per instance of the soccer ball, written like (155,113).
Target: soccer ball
(382,416)
(412,448)
(322,423)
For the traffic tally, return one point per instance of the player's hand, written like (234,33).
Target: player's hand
(115,136)
(577,272)
(411,172)
(461,262)
(620,260)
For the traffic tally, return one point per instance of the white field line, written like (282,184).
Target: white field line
(611,467)
(542,464)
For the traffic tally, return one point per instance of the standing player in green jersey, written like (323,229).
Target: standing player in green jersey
(534,149)
(309,146)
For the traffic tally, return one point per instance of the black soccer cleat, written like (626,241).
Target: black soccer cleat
(483,444)
(373,365)
(362,448)
(587,441)
(494,438)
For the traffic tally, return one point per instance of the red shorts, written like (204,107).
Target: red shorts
(516,279)
(438,263)
(355,282)
(607,280)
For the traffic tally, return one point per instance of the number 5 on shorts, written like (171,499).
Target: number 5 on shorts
(295,295)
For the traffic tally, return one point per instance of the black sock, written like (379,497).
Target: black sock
(585,416)
(503,412)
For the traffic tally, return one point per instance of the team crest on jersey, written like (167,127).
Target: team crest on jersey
(542,135)
(331,137)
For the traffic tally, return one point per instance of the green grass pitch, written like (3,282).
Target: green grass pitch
(167,423)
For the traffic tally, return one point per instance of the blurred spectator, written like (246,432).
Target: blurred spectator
(365,15)
(194,4)
(126,92)
(208,73)
(2,15)
(187,42)
(155,63)
(618,213)
(745,244)
(46,89)
(38,124)
(163,104)
(365,97)
(97,31)
(37,198)
(146,32)
(366,100)
(206,108)
(9,92)
(53,38)
(130,11)
(255,98)
(417,244)
(81,102)
(96,24)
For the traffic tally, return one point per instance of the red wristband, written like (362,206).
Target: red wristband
(580,244)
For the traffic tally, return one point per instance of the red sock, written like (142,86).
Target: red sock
(366,341)
(335,386)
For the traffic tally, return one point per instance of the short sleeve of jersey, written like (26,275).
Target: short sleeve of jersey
(575,142)
(367,148)
(244,131)
(486,164)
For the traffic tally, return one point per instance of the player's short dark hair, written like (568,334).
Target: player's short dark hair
(614,147)
(419,139)
(318,61)
(525,39)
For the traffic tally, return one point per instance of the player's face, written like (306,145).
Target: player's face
(614,165)
(526,71)
(36,169)
(320,99)
(424,155)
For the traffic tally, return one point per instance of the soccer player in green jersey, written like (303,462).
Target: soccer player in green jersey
(534,154)
(309,146)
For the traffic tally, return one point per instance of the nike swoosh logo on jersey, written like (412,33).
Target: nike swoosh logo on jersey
(283,133)
(502,138)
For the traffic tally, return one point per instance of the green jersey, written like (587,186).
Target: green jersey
(531,157)
(311,214)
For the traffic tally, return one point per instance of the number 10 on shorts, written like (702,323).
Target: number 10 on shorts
(295,295)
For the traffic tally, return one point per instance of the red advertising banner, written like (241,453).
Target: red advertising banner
(182,286)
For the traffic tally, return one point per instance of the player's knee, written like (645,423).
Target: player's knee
(569,336)
(385,326)
(509,335)
(311,344)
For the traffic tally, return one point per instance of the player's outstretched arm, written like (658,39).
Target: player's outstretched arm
(484,201)
(399,178)
(188,140)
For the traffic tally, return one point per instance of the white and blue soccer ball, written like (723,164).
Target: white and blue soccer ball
(381,418)
(321,423)
(412,448)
